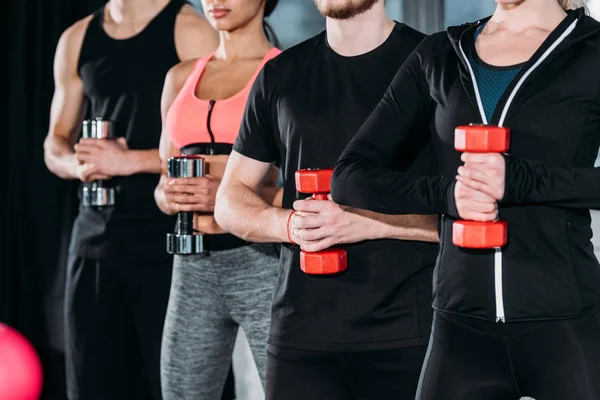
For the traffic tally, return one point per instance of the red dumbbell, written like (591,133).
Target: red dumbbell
(480,139)
(331,261)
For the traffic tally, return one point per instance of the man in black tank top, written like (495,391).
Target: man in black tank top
(112,65)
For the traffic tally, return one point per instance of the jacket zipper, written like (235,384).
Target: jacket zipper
(211,107)
(498,287)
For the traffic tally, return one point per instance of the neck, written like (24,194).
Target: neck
(544,14)
(360,34)
(248,41)
(134,10)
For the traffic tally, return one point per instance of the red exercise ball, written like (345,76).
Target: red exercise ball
(20,367)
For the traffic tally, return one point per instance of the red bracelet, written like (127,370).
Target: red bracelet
(287,227)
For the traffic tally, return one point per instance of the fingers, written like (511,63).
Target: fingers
(121,141)
(479,158)
(200,182)
(477,216)
(479,187)
(319,245)
(182,198)
(83,158)
(90,146)
(98,177)
(186,189)
(302,220)
(311,235)
(88,172)
(312,206)
(473,204)
(187,185)
(473,173)
(191,207)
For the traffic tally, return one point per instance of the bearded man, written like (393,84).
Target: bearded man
(361,333)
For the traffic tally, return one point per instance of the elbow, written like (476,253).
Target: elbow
(342,191)
(48,155)
(221,210)
(161,202)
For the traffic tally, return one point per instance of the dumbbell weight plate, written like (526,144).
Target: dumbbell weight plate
(479,235)
(94,195)
(185,244)
(314,180)
(98,193)
(482,139)
(326,262)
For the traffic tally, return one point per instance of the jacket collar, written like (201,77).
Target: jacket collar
(585,27)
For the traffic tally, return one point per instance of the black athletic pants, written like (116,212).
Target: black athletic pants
(114,312)
(469,359)
(362,375)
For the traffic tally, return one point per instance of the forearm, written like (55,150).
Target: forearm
(361,181)
(60,157)
(530,182)
(160,199)
(244,213)
(143,161)
(422,228)
(272,195)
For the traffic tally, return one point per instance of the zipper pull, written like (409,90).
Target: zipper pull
(211,106)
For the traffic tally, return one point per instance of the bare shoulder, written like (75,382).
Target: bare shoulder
(69,44)
(194,37)
(74,34)
(179,73)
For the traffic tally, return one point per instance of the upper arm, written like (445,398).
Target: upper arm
(245,170)
(194,37)
(68,99)
(173,83)
(256,138)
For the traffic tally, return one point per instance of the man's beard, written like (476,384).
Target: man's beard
(350,8)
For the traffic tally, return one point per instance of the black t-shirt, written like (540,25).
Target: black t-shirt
(305,106)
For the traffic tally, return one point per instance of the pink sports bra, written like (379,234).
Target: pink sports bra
(192,120)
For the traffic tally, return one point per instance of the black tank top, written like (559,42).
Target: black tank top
(123,81)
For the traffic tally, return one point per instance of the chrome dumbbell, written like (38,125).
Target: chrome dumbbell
(99,193)
(184,240)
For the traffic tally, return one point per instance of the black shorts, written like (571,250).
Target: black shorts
(362,375)
(470,359)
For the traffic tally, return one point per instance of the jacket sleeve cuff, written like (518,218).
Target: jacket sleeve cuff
(451,209)
(514,171)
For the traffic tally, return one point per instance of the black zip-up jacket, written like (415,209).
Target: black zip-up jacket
(548,269)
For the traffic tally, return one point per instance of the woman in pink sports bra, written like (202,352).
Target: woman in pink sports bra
(231,283)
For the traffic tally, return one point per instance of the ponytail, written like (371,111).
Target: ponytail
(572,4)
(271,34)
(269,8)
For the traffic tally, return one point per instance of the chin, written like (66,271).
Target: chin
(223,24)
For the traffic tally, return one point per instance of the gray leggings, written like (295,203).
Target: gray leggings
(210,297)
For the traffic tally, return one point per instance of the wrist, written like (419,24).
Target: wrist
(375,229)
(288,227)
(279,220)
(451,207)
(72,165)
(129,163)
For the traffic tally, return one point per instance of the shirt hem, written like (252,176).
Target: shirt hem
(387,344)
(593,310)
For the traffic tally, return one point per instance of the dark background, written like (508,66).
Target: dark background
(36,208)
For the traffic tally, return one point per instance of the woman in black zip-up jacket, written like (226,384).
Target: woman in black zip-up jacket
(521,320)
